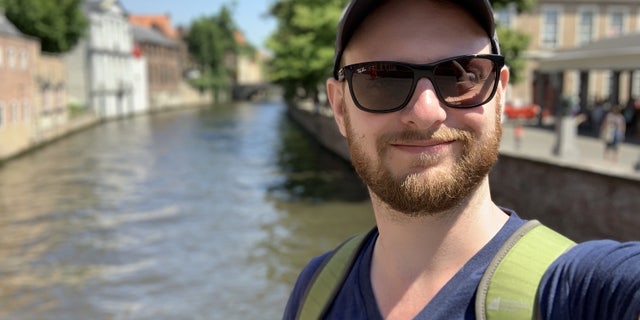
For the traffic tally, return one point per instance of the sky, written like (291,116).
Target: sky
(249,15)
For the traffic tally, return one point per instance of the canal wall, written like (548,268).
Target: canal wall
(581,202)
(321,125)
(21,140)
(34,136)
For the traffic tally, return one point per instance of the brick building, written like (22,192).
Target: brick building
(51,95)
(18,58)
(164,71)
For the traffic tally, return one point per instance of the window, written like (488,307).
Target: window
(11,58)
(586,26)
(617,22)
(14,112)
(550,27)
(26,110)
(505,16)
(23,59)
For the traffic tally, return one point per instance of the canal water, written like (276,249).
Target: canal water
(206,213)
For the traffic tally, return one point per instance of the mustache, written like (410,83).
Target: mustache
(441,134)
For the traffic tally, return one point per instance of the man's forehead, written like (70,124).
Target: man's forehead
(392,30)
(358,10)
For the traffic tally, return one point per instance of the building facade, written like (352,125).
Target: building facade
(555,26)
(164,71)
(100,67)
(50,96)
(18,59)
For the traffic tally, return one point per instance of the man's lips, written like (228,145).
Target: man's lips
(428,146)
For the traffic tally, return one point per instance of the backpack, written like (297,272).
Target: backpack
(507,289)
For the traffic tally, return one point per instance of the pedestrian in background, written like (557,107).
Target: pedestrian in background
(418,89)
(518,133)
(613,132)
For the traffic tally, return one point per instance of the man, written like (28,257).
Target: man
(417,91)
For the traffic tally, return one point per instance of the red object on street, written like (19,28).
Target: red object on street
(528,111)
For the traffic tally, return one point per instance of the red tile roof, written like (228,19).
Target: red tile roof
(161,22)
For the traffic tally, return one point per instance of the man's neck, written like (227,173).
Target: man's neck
(414,257)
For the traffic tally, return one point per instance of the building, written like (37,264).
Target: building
(248,66)
(556,27)
(18,62)
(159,22)
(164,70)
(50,96)
(101,69)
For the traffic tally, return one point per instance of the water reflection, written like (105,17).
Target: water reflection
(311,173)
(204,213)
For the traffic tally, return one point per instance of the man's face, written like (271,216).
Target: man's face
(425,158)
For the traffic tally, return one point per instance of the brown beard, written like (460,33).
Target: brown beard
(417,194)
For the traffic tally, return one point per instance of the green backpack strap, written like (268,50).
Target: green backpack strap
(328,280)
(508,287)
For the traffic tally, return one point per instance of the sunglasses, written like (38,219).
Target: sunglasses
(459,82)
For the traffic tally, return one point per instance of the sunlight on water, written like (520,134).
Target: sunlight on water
(196,214)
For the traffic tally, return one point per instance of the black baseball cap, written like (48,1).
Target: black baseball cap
(357,10)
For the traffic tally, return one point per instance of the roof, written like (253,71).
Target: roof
(149,35)
(6,27)
(161,22)
(620,53)
(239,37)
(103,6)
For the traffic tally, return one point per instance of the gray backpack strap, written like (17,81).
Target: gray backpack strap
(508,287)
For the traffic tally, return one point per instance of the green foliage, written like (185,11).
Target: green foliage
(303,45)
(211,42)
(59,24)
(512,45)
(521,5)
(76,109)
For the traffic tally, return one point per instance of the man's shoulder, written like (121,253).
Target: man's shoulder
(598,255)
(304,279)
(597,279)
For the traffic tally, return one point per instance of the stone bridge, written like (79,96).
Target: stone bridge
(254,91)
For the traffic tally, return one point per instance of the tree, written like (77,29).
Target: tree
(514,43)
(304,40)
(58,24)
(211,42)
(521,5)
(303,45)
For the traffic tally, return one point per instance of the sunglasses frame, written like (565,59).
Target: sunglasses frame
(422,71)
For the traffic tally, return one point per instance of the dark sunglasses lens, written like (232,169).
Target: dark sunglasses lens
(465,82)
(381,86)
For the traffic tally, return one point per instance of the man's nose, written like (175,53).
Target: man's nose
(424,109)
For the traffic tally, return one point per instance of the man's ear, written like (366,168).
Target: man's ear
(504,78)
(335,93)
(504,84)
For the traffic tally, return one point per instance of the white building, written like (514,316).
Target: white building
(102,69)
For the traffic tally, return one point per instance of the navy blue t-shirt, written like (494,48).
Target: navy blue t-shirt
(575,287)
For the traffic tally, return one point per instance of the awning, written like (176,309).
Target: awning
(620,53)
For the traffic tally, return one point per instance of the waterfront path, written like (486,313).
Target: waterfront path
(538,143)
